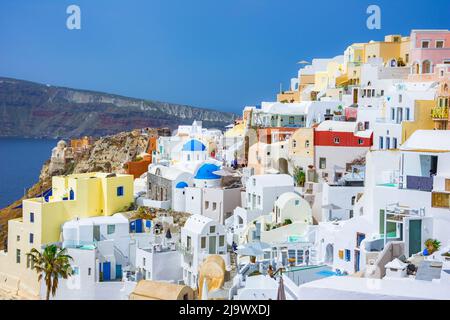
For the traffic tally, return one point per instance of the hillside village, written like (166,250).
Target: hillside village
(338,189)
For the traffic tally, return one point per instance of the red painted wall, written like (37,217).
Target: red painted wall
(346,139)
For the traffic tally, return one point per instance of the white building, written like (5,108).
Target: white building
(201,237)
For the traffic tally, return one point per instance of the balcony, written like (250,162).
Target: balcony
(439,113)
(419,183)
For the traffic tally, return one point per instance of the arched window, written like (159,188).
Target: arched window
(426,66)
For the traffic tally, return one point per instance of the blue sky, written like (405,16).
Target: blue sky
(215,54)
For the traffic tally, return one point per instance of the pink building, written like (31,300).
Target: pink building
(428,49)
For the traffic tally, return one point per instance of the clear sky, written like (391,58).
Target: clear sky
(216,54)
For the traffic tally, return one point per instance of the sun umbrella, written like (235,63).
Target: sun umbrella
(281,295)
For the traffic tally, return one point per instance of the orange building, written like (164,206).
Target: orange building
(82,143)
(139,166)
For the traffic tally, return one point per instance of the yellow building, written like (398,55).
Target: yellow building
(301,148)
(78,195)
(394,48)
(353,59)
(422,114)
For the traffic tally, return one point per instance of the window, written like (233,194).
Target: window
(439,44)
(347,255)
(31,238)
(212,229)
(425,44)
(388,143)
(392,114)
(294,143)
(400,98)
(259,200)
(120,191)
(214,206)
(297,202)
(111,228)
(143,262)
(407,57)
(221,241)
(206,204)
(322,163)
(18,256)
(76,271)
(307,144)
(18,237)
(291,120)
(341,254)
(89,271)
(353,200)
(394,143)
(337,140)
(360,141)
(381,143)
(366,125)
(188,242)
(203,242)
(29,262)
(32,217)
(359,238)
(254,182)
(382,93)
(407,114)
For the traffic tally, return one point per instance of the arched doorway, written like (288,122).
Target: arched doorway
(426,66)
(283,166)
(329,254)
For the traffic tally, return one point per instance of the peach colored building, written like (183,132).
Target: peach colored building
(429,48)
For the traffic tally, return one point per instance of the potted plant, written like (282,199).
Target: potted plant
(287,221)
(432,245)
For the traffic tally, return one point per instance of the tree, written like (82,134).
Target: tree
(299,176)
(52,263)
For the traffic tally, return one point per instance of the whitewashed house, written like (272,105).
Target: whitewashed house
(200,237)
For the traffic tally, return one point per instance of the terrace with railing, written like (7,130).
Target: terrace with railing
(439,113)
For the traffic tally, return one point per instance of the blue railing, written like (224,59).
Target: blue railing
(419,183)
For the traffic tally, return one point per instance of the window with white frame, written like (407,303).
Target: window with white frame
(439,44)
(111,228)
(425,44)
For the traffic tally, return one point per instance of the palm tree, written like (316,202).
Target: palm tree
(52,263)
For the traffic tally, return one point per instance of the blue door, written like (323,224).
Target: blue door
(139,226)
(106,271)
(118,271)
(132,226)
(357,258)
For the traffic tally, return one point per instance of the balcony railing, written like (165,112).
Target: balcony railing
(419,183)
(439,113)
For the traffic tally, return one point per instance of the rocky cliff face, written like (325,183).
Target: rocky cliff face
(108,154)
(29,109)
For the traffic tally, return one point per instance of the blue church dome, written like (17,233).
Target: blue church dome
(205,172)
(194,145)
(181,185)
